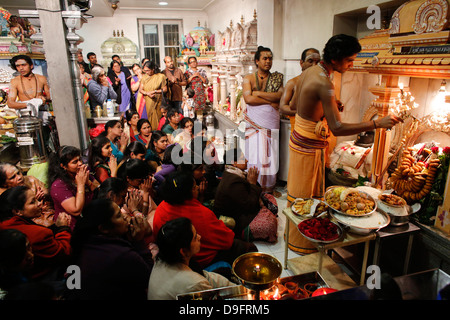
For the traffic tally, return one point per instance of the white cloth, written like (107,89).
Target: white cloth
(33,106)
(262,144)
(168,281)
(356,160)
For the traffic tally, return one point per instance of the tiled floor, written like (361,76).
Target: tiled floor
(277,249)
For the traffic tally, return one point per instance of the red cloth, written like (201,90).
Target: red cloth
(215,235)
(162,121)
(50,250)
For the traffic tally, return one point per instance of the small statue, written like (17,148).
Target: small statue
(203,45)
(16,29)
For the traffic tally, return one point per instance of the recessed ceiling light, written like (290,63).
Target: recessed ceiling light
(163,3)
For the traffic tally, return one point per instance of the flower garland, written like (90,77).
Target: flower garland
(430,204)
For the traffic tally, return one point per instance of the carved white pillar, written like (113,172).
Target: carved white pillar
(232,81)
(223,89)
(215,101)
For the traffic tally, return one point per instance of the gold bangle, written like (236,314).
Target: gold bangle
(80,191)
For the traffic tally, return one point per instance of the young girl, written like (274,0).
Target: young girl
(158,145)
(118,139)
(130,125)
(101,160)
(188,104)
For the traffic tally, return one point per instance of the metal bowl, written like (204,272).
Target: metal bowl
(359,225)
(256,270)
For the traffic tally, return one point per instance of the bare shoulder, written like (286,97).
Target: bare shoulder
(41,78)
(14,81)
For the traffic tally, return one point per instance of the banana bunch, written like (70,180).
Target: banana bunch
(413,180)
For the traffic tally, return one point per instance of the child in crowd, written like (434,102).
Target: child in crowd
(189,104)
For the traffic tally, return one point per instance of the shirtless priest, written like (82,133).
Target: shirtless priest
(27,90)
(316,115)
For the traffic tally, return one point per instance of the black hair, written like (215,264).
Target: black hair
(96,213)
(142,61)
(339,47)
(115,56)
(134,65)
(3,177)
(192,57)
(64,155)
(152,66)
(110,124)
(13,247)
(156,135)
(134,169)
(167,157)
(258,52)
(90,54)
(306,51)
(136,147)
(174,235)
(170,113)
(190,92)
(232,155)
(113,63)
(114,185)
(129,114)
(184,121)
(5,208)
(14,59)
(141,122)
(95,151)
(17,197)
(177,187)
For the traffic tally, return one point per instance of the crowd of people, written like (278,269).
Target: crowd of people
(149,211)
(146,212)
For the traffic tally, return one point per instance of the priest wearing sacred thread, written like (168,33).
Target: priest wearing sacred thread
(317,114)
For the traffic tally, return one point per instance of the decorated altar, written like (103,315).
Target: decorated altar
(411,62)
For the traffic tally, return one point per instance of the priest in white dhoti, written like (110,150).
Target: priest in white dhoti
(262,92)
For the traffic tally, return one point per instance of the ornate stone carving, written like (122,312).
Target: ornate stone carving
(431,16)
(235,49)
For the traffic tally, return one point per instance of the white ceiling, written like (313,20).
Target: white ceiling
(101,7)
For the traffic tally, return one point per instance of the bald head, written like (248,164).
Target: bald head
(169,62)
(310,57)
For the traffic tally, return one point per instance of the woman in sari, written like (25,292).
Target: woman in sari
(138,96)
(120,85)
(153,87)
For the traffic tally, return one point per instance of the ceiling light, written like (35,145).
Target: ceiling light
(163,3)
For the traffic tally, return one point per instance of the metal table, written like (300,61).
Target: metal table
(389,232)
(347,240)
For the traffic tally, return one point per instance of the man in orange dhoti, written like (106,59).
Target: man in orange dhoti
(317,113)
